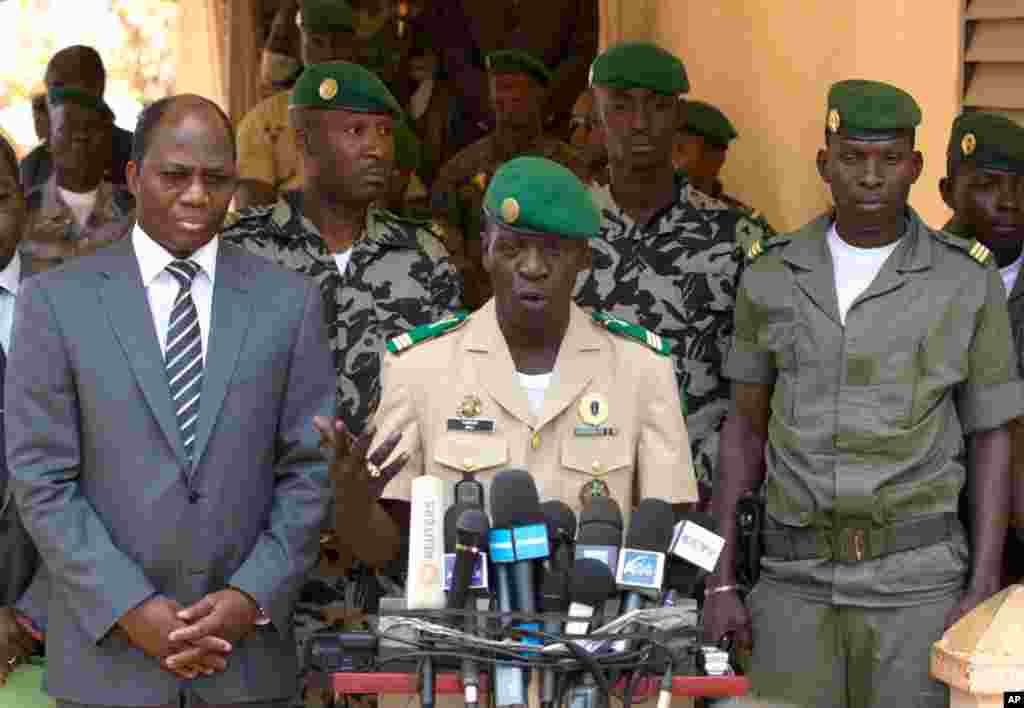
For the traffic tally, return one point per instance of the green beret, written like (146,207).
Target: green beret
(535,194)
(326,16)
(703,119)
(59,95)
(640,65)
(511,61)
(870,110)
(343,85)
(408,152)
(989,140)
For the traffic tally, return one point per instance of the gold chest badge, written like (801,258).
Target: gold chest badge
(470,407)
(593,409)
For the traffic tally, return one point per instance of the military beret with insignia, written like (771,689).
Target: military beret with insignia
(988,140)
(512,61)
(59,95)
(408,151)
(535,194)
(703,119)
(326,16)
(640,65)
(341,85)
(870,110)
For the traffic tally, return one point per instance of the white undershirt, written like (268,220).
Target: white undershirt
(80,203)
(535,386)
(855,268)
(342,260)
(1010,274)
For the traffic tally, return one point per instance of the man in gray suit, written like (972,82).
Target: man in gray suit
(159,406)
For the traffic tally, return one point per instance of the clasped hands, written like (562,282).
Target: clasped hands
(195,640)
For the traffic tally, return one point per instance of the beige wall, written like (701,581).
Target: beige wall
(768,65)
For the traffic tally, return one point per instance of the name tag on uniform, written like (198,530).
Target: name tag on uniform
(595,431)
(470,425)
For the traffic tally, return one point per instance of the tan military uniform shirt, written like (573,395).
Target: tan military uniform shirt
(53,236)
(647,454)
(267,147)
(868,419)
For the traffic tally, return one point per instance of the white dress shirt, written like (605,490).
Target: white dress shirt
(10,281)
(162,288)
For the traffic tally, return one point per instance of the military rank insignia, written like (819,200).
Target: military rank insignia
(633,331)
(980,252)
(969,144)
(425,332)
(833,121)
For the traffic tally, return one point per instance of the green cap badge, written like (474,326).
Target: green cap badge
(341,85)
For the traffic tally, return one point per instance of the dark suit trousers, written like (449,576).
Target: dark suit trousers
(191,700)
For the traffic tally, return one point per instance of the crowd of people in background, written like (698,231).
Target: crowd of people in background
(434,166)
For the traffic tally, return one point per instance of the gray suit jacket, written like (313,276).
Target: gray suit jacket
(98,467)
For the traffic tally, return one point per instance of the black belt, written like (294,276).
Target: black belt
(851,540)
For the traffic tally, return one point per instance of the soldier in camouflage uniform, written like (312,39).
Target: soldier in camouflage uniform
(76,211)
(379,275)
(517,83)
(669,256)
(874,375)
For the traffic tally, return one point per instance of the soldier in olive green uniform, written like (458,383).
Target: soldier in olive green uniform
(379,274)
(669,256)
(984,186)
(268,153)
(517,83)
(870,354)
(702,142)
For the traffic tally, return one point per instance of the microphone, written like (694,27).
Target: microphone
(561,523)
(554,599)
(600,534)
(518,538)
(591,584)
(641,570)
(465,530)
(424,588)
(683,577)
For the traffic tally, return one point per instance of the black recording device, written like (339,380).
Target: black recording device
(341,652)
(749,525)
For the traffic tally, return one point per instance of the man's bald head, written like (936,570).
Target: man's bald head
(77,66)
(152,115)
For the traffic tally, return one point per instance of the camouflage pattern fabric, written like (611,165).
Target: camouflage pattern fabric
(677,276)
(398,277)
(53,235)
(458,194)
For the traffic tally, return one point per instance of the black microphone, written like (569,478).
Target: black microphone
(600,533)
(591,584)
(518,539)
(641,571)
(561,523)
(554,599)
(465,530)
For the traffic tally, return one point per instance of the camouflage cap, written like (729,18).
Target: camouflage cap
(640,65)
(341,85)
(326,16)
(513,61)
(703,119)
(535,194)
(988,140)
(870,110)
(408,151)
(59,95)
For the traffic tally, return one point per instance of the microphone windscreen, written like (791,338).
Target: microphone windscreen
(560,520)
(651,526)
(682,576)
(451,518)
(473,521)
(514,499)
(591,583)
(602,510)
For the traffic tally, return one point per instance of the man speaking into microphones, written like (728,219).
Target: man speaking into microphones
(588,403)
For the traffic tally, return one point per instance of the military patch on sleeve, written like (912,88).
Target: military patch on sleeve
(633,331)
(424,332)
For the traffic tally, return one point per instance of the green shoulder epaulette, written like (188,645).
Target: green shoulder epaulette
(633,331)
(974,248)
(425,332)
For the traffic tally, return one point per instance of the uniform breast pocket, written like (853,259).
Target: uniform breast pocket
(597,466)
(457,452)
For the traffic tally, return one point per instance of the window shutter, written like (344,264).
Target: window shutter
(993,57)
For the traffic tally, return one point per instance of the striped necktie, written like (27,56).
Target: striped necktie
(183,357)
